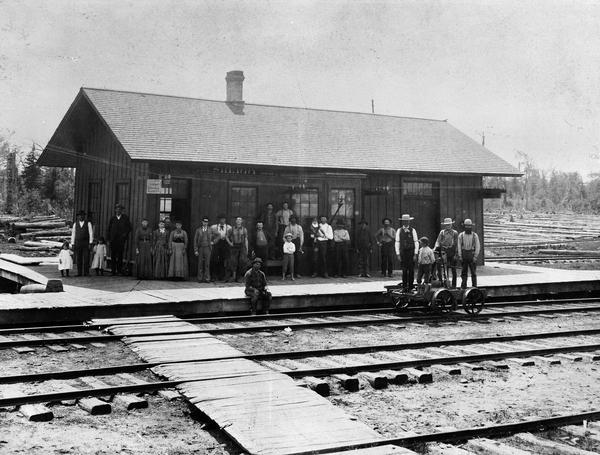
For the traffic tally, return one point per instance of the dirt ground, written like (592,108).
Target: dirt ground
(163,428)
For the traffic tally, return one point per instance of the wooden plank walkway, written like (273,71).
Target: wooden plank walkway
(264,411)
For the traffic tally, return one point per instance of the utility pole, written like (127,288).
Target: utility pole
(11,181)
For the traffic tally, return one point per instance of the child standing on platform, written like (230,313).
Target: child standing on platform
(425,261)
(288,256)
(65,260)
(99,260)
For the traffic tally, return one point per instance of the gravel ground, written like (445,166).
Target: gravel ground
(412,332)
(476,398)
(164,428)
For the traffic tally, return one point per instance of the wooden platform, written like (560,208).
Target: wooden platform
(105,296)
(264,411)
(19,274)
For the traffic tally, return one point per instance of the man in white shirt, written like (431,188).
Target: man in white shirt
(323,235)
(468,252)
(82,237)
(222,243)
(407,247)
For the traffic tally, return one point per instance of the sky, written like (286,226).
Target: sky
(524,73)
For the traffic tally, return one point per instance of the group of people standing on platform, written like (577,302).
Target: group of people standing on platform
(224,252)
(450,249)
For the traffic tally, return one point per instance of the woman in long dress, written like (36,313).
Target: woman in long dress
(160,251)
(143,251)
(178,263)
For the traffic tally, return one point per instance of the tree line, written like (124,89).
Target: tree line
(29,189)
(545,191)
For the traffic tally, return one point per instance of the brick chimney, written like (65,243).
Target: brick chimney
(235,85)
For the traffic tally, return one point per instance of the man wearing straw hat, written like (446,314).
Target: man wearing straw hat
(468,252)
(407,246)
(446,243)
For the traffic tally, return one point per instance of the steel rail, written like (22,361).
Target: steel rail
(301,325)
(242,318)
(127,368)
(503,429)
(56,396)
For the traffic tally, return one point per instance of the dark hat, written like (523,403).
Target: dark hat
(204,218)
(117,205)
(363,221)
(293,217)
(386,218)
(259,260)
(340,222)
(222,216)
(81,212)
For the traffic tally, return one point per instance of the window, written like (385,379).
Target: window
(345,197)
(417,189)
(243,201)
(305,204)
(122,194)
(94,201)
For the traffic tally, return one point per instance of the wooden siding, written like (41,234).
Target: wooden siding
(105,162)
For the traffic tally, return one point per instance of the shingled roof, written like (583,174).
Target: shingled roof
(169,128)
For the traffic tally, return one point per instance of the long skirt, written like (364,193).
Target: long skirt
(178,265)
(144,261)
(161,262)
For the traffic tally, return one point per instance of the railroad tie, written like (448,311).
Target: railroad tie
(130,401)
(547,360)
(491,447)
(97,383)
(23,349)
(445,449)
(319,385)
(580,432)
(350,383)
(521,362)
(543,444)
(396,376)
(422,377)
(36,412)
(92,405)
(377,380)
(471,366)
(450,369)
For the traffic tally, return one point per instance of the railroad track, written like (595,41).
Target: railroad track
(396,363)
(541,258)
(520,441)
(76,335)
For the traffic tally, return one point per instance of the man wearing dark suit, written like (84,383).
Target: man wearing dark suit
(119,228)
(82,236)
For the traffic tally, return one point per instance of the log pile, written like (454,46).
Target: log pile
(41,233)
(538,230)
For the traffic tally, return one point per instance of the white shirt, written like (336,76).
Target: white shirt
(90,231)
(415,239)
(324,233)
(289,248)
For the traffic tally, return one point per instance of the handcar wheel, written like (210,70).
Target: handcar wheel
(443,301)
(473,301)
(401,301)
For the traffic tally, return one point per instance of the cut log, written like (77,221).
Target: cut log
(50,224)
